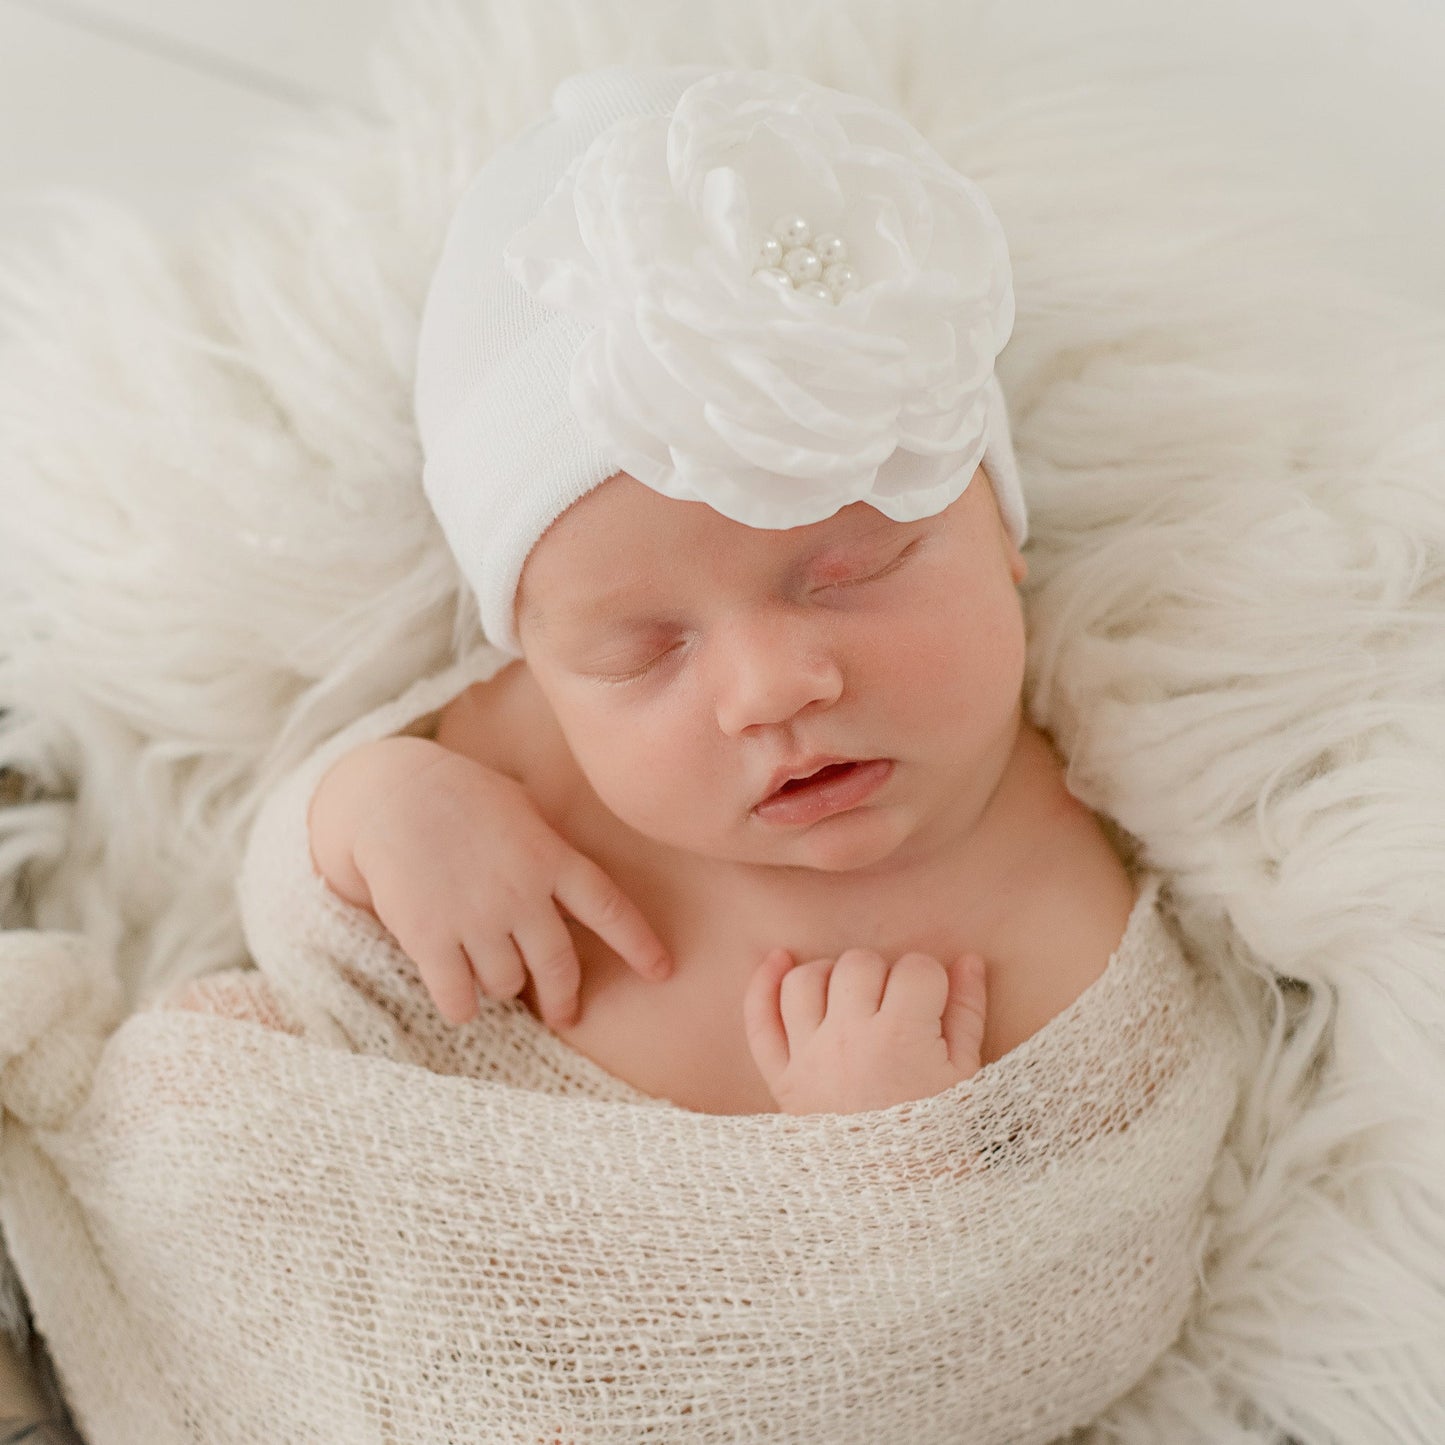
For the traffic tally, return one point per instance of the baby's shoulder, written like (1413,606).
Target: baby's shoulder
(1080,893)
(1095,886)
(505,723)
(1071,859)
(501,721)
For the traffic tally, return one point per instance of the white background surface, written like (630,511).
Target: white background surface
(155,101)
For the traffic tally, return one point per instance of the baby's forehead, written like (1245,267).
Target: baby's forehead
(619,549)
(613,528)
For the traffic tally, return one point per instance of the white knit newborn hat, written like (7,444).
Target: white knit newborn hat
(739,286)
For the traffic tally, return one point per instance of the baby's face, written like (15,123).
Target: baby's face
(688,657)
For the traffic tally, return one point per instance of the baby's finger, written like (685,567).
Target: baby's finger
(500,972)
(762,1020)
(804,1001)
(917,988)
(450,981)
(856,982)
(596,902)
(964,1013)
(546,948)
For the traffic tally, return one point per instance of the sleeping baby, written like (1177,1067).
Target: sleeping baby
(753,817)
(704,1013)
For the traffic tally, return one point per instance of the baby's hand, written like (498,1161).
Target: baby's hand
(458,863)
(840,1037)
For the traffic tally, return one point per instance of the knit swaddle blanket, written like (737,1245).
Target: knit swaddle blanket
(302,1208)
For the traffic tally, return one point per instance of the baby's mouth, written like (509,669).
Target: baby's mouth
(818,768)
(828,770)
(833,787)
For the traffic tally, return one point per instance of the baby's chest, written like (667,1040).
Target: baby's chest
(686,1039)
(682,1039)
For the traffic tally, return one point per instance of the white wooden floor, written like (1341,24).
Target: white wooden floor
(155,101)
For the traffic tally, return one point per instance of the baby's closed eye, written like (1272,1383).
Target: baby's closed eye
(846,572)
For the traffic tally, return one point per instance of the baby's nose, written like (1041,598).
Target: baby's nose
(768,670)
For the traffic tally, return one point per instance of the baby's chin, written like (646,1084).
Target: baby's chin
(861,841)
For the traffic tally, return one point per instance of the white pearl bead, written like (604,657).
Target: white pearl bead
(802,264)
(818,270)
(792,230)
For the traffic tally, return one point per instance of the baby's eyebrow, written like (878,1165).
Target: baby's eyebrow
(592,610)
(592,615)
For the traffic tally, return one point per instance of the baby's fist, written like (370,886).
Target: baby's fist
(839,1036)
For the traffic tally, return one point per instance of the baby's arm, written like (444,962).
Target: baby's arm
(457,862)
(840,1036)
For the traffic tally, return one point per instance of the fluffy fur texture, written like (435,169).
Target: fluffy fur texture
(216,553)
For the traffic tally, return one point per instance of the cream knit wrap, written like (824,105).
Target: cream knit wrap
(315,1212)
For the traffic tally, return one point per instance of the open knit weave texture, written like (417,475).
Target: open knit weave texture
(1227,385)
(305,1208)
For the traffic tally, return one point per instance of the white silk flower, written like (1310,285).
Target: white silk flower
(787,287)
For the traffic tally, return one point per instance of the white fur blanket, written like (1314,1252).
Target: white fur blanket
(216,553)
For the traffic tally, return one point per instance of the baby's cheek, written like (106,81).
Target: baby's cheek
(990,652)
(646,785)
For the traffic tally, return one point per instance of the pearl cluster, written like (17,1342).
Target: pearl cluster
(793,257)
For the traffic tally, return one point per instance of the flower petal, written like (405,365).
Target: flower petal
(773,452)
(773,404)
